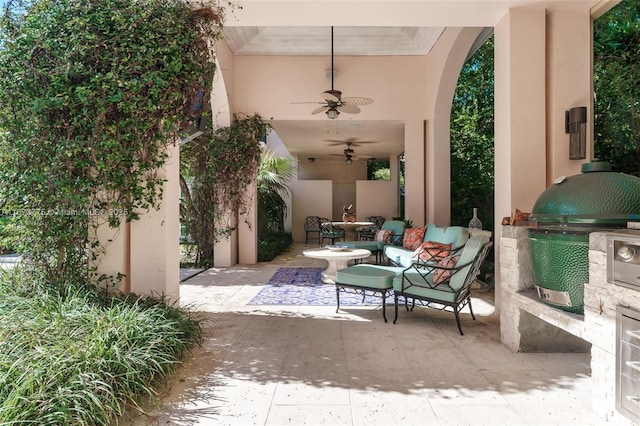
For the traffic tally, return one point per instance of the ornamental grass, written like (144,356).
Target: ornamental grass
(76,355)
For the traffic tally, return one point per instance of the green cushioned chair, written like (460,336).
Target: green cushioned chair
(366,279)
(418,282)
(376,247)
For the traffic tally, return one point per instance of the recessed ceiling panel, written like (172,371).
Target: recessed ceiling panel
(313,41)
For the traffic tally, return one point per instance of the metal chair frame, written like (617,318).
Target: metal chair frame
(366,233)
(329,231)
(462,295)
(311,226)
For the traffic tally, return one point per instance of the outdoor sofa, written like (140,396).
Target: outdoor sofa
(390,233)
(440,240)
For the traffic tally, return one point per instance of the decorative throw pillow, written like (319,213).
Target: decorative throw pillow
(413,238)
(384,236)
(432,251)
(441,275)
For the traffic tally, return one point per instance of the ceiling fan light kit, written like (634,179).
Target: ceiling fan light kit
(334,103)
(348,154)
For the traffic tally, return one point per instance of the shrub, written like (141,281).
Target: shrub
(75,355)
(273,245)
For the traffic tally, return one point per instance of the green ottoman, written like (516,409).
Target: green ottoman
(360,279)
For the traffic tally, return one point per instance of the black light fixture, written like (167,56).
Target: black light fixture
(348,160)
(576,125)
(311,159)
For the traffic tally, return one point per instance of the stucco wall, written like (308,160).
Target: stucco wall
(309,198)
(568,84)
(324,187)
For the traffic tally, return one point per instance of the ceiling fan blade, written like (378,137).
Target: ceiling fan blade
(348,109)
(331,95)
(357,101)
(320,109)
(353,141)
(296,103)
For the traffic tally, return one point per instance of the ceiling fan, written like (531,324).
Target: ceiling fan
(349,154)
(334,103)
(351,141)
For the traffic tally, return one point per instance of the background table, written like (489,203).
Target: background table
(336,259)
(350,228)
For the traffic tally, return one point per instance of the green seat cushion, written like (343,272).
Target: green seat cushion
(367,245)
(400,256)
(368,276)
(442,292)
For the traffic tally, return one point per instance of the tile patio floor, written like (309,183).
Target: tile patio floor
(308,365)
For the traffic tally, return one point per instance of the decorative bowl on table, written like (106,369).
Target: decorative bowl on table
(337,247)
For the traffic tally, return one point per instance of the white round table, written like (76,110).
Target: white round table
(336,259)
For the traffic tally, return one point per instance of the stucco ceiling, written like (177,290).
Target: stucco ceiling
(327,139)
(303,28)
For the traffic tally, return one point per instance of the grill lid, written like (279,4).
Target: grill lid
(596,197)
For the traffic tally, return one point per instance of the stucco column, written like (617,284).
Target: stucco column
(225,251)
(248,230)
(520,115)
(414,167)
(155,238)
(149,254)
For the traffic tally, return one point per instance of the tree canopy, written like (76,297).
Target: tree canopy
(472,140)
(616,72)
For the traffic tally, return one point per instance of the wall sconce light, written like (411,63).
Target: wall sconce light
(312,159)
(576,125)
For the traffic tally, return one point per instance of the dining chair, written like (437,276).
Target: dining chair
(311,226)
(330,231)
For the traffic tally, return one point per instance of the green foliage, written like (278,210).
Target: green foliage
(378,170)
(9,235)
(91,93)
(617,93)
(472,137)
(472,151)
(71,355)
(221,165)
(273,175)
(272,245)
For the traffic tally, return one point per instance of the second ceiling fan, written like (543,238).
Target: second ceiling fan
(349,154)
(334,103)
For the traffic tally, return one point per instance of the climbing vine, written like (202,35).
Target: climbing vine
(216,170)
(91,94)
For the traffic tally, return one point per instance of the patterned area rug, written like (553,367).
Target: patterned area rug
(304,286)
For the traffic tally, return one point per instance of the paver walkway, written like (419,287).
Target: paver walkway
(296,365)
